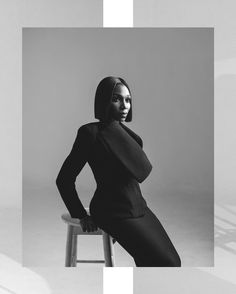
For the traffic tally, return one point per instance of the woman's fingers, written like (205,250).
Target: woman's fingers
(88,225)
(95,228)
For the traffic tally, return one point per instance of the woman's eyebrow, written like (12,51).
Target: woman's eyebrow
(127,96)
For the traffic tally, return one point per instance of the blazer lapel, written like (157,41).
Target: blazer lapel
(132,134)
(126,149)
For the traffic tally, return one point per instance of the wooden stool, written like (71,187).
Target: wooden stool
(73,230)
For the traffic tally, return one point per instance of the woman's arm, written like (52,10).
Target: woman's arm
(69,171)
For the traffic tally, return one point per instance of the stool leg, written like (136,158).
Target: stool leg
(69,245)
(107,250)
(74,251)
(112,252)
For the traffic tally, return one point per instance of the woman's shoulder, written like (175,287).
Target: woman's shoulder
(90,126)
(90,129)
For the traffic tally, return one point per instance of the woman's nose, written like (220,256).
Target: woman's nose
(124,104)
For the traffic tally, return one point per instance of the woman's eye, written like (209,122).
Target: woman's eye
(115,99)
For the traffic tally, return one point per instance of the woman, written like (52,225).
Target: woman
(119,164)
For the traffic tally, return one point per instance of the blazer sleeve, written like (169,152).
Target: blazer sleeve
(70,169)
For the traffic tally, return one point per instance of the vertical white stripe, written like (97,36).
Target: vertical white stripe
(117,13)
(117,280)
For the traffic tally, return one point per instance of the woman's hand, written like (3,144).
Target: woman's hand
(88,224)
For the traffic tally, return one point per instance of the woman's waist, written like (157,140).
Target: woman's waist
(118,198)
(123,208)
(117,185)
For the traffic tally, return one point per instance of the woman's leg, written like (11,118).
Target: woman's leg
(145,239)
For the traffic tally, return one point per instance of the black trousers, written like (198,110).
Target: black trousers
(144,238)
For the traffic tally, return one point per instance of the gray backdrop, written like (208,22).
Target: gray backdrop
(170,72)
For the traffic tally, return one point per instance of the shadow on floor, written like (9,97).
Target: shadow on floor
(225,227)
(6,290)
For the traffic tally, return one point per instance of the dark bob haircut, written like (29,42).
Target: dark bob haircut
(103,97)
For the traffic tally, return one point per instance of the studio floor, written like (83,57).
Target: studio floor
(188,224)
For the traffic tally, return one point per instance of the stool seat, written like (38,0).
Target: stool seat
(73,230)
(76,223)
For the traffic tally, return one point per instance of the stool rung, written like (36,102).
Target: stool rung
(73,231)
(90,261)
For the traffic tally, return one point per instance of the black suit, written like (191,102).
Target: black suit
(117,160)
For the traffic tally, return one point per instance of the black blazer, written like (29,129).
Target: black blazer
(118,163)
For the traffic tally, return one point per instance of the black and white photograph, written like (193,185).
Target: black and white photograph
(136,105)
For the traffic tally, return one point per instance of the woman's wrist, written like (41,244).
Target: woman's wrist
(84,217)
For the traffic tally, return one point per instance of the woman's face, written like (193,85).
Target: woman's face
(120,103)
